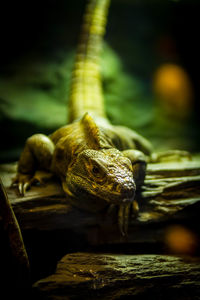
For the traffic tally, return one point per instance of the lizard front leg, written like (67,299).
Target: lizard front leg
(138,161)
(139,164)
(37,154)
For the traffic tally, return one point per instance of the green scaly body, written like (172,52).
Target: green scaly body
(97,163)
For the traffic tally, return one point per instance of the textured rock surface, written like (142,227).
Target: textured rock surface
(171,195)
(108,276)
(168,222)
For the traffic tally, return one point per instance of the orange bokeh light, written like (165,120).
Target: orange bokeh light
(181,240)
(173,90)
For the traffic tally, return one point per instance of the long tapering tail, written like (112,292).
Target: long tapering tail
(86,93)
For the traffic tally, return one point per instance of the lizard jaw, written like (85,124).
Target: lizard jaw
(98,193)
(84,201)
(128,200)
(97,203)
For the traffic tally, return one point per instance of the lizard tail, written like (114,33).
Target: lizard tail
(86,93)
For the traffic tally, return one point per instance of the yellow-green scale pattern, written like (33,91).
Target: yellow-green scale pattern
(86,93)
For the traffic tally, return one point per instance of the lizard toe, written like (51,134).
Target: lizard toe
(23,183)
(41,177)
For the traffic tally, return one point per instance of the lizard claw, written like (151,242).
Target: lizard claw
(23,188)
(23,182)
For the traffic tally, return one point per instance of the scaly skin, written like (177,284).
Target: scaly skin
(97,163)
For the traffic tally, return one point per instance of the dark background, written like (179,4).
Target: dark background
(37,38)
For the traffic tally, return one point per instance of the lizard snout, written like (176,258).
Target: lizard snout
(128,195)
(126,191)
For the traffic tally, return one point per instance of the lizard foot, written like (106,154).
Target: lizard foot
(25,181)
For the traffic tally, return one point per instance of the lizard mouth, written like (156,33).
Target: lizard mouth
(118,198)
(82,199)
(94,192)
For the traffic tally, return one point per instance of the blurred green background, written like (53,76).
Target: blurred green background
(150,69)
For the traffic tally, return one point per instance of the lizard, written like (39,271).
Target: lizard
(99,165)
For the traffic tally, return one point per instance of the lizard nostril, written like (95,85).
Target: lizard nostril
(129,191)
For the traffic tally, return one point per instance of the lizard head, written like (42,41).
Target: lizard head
(99,177)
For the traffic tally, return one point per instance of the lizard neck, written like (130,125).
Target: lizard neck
(86,93)
(71,140)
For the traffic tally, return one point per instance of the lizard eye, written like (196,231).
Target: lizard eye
(95,170)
